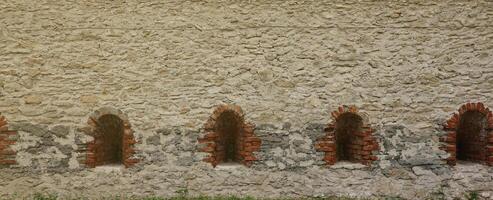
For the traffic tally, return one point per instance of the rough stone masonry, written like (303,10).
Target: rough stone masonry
(281,69)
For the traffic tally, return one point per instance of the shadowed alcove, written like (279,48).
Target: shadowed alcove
(228,126)
(110,139)
(471,136)
(228,138)
(113,140)
(348,137)
(346,126)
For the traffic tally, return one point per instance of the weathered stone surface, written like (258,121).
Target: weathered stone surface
(60,131)
(32,129)
(89,99)
(33,99)
(153,140)
(166,64)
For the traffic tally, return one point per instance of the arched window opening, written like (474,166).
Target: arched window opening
(346,142)
(228,138)
(114,142)
(471,136)
(229,127)
(110,151)
(348,138)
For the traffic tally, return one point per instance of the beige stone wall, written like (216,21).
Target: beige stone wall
(288,64)
(169,63)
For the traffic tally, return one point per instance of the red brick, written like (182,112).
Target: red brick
(8,162)
(452,134)
(359,142)
(448,148)
(8,142)
(480,107)
(257,143)
(327,149)
(128,151)
(365,152)
(452,122)
(7,152)
(7,155)
(132,161)
(207,149)
(363,134)
(369,139)
(251,139)
(211,136)
(368,147)
(249,158)
(3,124)
(463,109)
(330,159)
(248,129)
(9,132)
(489,148)
(204,140)
(251,148)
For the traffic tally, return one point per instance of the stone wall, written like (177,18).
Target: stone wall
(407,66)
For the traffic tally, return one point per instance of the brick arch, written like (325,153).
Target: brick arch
(358,143)
(216,142)
(97,148)
(7,138)
(480,146)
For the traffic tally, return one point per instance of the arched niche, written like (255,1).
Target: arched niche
(113,140)
(469,135)
(228,138)
(348,137)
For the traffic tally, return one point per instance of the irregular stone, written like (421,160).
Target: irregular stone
(164,131)
(91,99)
(153,140)
(61,131)
(32,111)
(33,99)
(36,130)
(419,171)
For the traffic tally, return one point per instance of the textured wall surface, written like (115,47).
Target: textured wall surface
(408,66)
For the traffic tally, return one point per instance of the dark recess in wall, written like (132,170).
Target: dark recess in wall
(346,126)
(111,139)
(471,136)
